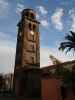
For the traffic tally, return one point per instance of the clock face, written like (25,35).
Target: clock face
(31,32)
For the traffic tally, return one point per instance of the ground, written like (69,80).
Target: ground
(15,98)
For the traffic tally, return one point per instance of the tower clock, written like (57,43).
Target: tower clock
(27,51)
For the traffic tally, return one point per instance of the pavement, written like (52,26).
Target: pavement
(17,98)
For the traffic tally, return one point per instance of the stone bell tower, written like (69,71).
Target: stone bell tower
(27,51)
(27,61)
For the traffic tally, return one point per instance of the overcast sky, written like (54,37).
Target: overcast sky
(57,17)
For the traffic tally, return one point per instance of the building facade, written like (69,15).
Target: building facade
(6,82)
(56,84)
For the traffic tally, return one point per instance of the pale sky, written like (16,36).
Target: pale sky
(57,18)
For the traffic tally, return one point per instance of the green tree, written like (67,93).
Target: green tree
(66,75)
(54,60)
(69,43)
(1,81)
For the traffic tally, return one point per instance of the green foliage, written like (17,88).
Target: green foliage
(66,76)
(54,59)
(69,44)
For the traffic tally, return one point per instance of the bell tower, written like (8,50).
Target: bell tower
(27,60)
(27,51)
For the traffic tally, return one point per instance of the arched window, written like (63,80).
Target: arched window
(32,16)
(34,27)
(26,14)
(30,26)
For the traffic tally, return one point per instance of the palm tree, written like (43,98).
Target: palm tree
(69,44)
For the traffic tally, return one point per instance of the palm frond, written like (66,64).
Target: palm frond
(70,37)
(68,49)
(69,44)
(72,33)
(65,45)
